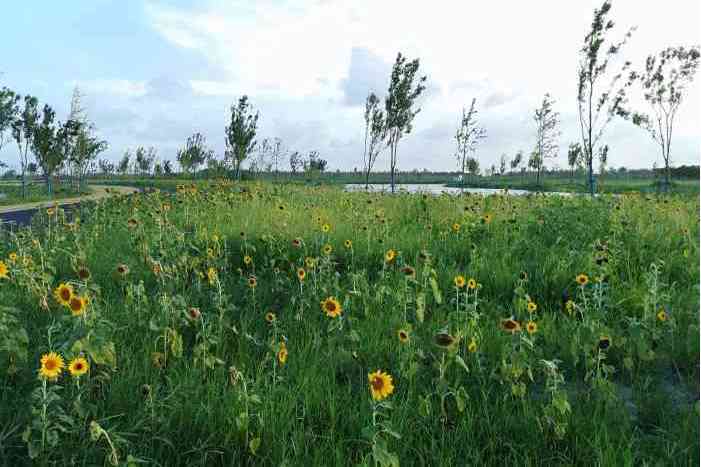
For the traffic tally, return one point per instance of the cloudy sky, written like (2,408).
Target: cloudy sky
(155,71)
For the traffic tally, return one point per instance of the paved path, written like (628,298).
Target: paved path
(22,213)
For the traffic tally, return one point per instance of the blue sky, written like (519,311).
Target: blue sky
(153,71)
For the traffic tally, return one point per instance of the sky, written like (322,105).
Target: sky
(153,72)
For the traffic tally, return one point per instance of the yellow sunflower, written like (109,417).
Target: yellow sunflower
(247,260)
(326,228)
(51,366)
(12,257)
(348,244)
(380,385)
(331,307)
(456,227)
(459,281)
(582,279)
(301,274)
(310,262)
(63,294)
(78,367)
(78,304)
(390,255)
(510,325)
(531,327)
(282,354)
(403,336)
(472,284)
(211,275)
(327,249)
(270,317)
(532,307)
(252,282)
(3,270)
(472,346)
(662,315)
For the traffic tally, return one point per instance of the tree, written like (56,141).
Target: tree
(314,163)
(473,166)
(597,107)
(124,162)
(276,153)
(516,161)
(167,167)
(574,157)
(664,81)
(23,133)
(240,134)
(399,105)
(158,169)
(502,165)
(9,111)
(468,137)
(547,133)
(46,142)
(296,161)
(375,132)
(106,167)
(32,168)
(84,149)
(194,154)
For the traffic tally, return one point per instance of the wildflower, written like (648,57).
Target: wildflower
(380,385)
(459,281)
(252,282)
(531,327)
(194,313)
(403,336)
(301,274)
(456,227)
(472,284)
(390,255)
(78,367)
(472,346)
(297,242)
(3,270)
(409,272)
(51,366)
(582,279)
(131,223)
(78,304)
(50,211)
(84,273)
(270,317)
(348,244)
(310,262)
(604,342)
(282,354)
(510,325)
(331,307)
(63,294)
(662,315)
(156,268)
(247,260)
(523,275)
(326,228)
(443,339)
(487,219)
(12,257)
(122,269)
(158,360)
(327,249)
(211,275)
(532,307)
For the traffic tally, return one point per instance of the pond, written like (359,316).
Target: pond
(435,189)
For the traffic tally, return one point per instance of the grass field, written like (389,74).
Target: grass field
(36,192)
(232,324)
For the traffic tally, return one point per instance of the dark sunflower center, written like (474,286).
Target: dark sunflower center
(330,306)
(51,365)
(65,294)
(377,383)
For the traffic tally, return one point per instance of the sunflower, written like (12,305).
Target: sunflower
(523,275)
(380,385)
(270,317)
(3,270)
(582,279)
(51,366)
(532,307)
(487,219)
(472,346)
(662,315)
(122,269)
(331,307)
(327,249)
(12,257)
(531,327)
(131,223)
(604,342)
(78,367)
(443,339)
(211,275)
(50,211)
(158,360)
(78,304)
(310,262)
(194,313)
(301,274)
(326,228)
(403,336)
(472,284)
(63,294)
(348,244)
(459,281)
(282,354)
(296,242)
(510,325)
(252,282)
(390,255)
(456,227)
(247,260)
(84,273)
(409,272)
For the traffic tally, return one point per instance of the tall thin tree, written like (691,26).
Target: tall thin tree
(240,134)
(375,132)
(467,137)
(547,134)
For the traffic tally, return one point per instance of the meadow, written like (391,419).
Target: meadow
(278,324)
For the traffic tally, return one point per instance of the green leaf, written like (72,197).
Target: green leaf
(461,362)
(253,445)
(437,296)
